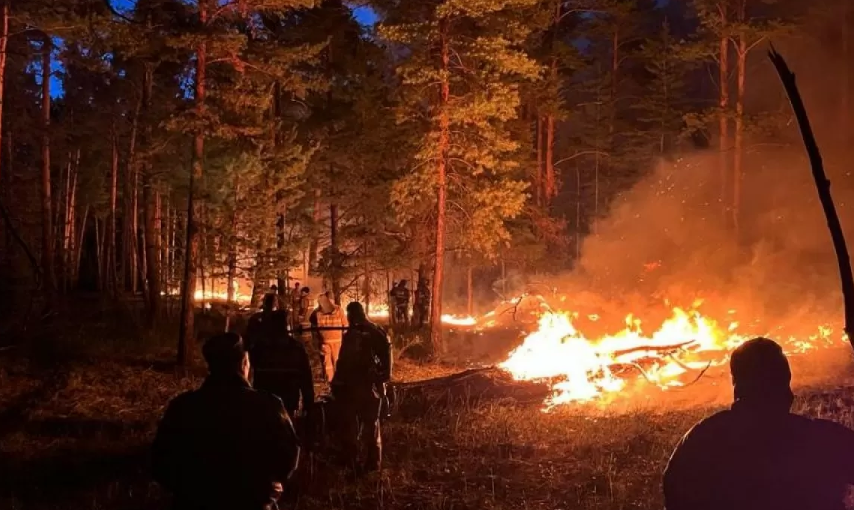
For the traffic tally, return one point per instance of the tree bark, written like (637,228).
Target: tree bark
(109,274)
(334,253)
(741,70)
(186,333)
(469,291)
(4,41)
(723,104)
(538,178)
(152,219)
(436,337)
(46,206)
(551,179)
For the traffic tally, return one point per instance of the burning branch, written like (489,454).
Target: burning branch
(823,186)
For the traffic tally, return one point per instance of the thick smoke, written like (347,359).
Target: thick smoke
(666,240)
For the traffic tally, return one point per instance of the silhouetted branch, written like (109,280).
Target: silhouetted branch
(822,184)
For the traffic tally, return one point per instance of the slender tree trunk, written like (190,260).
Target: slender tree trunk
(436,337)
(152,219)
(551,179)
(77,254)
(723,123)
(737,174)
(538,179)
(4,40)
(186,334)
(333,252)
(99,254)
(7,187)
(469,291)
(232,252)
(165,264)
(312,249)
(47,213)
(111,282)
(845,109)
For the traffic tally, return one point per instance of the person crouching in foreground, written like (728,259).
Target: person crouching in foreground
(758,455)
(364,368)
(225,446)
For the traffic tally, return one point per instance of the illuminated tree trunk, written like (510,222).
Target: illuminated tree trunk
(469,291)
(4,41)
(845,110)
(188,302)
(551,179)
(723,104)
(333,252)
(737,177)
(152,213)
(109,274)
(46,202)
(538,178)
(436,337)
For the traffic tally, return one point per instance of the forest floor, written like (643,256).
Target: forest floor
(75,434)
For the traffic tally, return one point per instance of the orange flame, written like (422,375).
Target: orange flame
(581,369)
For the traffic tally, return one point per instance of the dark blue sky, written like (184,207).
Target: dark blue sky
(365,15)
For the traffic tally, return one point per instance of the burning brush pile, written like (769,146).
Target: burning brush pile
(582,368)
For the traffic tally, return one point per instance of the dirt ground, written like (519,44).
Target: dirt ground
(75,435)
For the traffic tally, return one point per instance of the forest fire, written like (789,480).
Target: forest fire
(581,369)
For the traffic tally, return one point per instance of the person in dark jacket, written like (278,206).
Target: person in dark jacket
(281,366)
(225,446)
(758,455)
(364,367)
(259,323)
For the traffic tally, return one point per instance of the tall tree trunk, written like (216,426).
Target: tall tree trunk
(78,252)
(186,334)
(312,248)
(47,213)
(99,253)
(551,179)
(152,219)
(538,178)
(5,179)
(109,274)
(436,337)
(845,110)
(232,251)
(165,264)
(469,291)
(737,174)
(333,252)
(723,104)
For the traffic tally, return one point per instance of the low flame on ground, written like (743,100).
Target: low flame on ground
(580,369)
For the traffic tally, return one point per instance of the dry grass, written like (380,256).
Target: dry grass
(77,438)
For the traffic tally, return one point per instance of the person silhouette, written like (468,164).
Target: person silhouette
(758,455)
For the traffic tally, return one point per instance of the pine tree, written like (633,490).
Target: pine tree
(460,82)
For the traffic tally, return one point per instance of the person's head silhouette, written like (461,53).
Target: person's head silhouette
(761,376)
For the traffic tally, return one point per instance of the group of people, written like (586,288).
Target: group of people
(229,445)
(232,444)
(399,299)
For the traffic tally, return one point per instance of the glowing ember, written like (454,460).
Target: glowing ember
(581,369)
(459,321)
(379,311)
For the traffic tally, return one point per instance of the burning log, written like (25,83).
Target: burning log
(822,184)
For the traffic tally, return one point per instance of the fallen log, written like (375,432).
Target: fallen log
(468,388)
